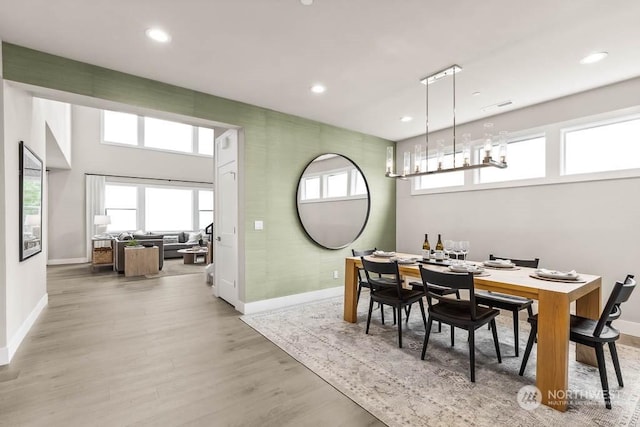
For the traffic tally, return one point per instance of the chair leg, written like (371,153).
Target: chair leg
(495,339)
(616,362)
(369,315)
(426,337)
(407,310)
(382,313)
(439,326)
(603,374)
(452,335)
(457,294)
(530,311)
(399,308)
(472,354)
(359,290)
(527,351)
(516,332)
(424,317)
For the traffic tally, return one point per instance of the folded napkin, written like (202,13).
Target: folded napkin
(502,261)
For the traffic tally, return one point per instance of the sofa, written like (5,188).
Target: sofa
(147,240)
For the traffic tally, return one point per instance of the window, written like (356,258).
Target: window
(121,203)
(205,208)
(157,134)
(525,159)
(600,148)
(359,186)
(311,188)
(445,179)
(167,135)
(168,209)
(121,128)
(337,185)
(205,141)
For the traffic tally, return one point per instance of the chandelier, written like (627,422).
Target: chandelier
(421,156)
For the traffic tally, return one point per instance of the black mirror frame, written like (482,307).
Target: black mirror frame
(24,154)
(297,197)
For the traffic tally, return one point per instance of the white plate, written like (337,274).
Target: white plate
(553,274)
(384,254)
(465,268)
(499,263)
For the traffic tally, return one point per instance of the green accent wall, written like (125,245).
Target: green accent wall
(279,260)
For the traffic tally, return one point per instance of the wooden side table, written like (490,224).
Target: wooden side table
(140,260)
(102,251)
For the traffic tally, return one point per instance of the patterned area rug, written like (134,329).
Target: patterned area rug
(397,387)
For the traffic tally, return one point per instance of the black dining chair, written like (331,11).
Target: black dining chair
(458,313)
(440,290)
(512,303)
(363,283)
(595,333)
(386,288)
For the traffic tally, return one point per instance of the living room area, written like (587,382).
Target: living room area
(138,179)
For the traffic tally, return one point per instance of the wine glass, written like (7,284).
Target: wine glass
(448,247)
(457,249)
(464,248)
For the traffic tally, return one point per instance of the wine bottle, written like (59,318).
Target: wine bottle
(426,248)
(439,246)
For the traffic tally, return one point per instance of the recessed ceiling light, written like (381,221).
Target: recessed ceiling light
(158,35)
(594,57)
(318,88)
(406,119)
(306,2)
(475,93)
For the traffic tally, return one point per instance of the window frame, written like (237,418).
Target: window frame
(195,143)
(324,175)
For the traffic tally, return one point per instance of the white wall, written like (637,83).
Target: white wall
(57,116)
(67,187)
(24,282)
(587,226)
(4,353)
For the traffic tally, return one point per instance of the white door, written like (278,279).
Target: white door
(226,217)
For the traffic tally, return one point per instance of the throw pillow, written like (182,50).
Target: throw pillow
(194,237)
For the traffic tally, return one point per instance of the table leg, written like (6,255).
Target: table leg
(588,306)
(350,291)
(553,349)
(189,258)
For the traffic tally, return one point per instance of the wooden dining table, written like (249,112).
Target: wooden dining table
(554,301)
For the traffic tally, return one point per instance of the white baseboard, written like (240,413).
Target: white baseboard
(7,353)
(67,261)
(289,300)
(627,328)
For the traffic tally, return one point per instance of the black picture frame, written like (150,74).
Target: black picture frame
(30,188)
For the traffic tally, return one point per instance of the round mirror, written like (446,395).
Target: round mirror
(333,201)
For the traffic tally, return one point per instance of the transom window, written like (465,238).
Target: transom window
(445,179)
(602,147)
(148,132)
(336,184)
(525,160)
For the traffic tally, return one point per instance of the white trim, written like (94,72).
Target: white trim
(67,261)
(7,353)
(289,300)
(627,327)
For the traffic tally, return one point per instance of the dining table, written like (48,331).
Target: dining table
(554,303)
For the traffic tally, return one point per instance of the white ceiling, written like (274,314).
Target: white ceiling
(369,53)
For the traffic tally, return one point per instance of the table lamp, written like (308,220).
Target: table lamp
(101,222)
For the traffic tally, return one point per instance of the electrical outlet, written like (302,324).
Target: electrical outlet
(335,274)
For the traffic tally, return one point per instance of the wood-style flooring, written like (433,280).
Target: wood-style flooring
(114,351)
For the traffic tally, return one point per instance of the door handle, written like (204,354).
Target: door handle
(218,238)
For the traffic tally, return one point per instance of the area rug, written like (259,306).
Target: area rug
(398,388)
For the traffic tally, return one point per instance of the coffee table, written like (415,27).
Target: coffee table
(190,256)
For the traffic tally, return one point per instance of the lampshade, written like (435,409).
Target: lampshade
(32,220)
(102,220)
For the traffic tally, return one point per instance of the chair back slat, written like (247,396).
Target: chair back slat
(531,263)
(449,280)
(361,254)
(620,293)
(382,270)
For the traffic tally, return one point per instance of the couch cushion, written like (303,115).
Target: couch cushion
(194,237)
(182,237)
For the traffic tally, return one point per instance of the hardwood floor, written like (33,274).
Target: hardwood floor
(110,350)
